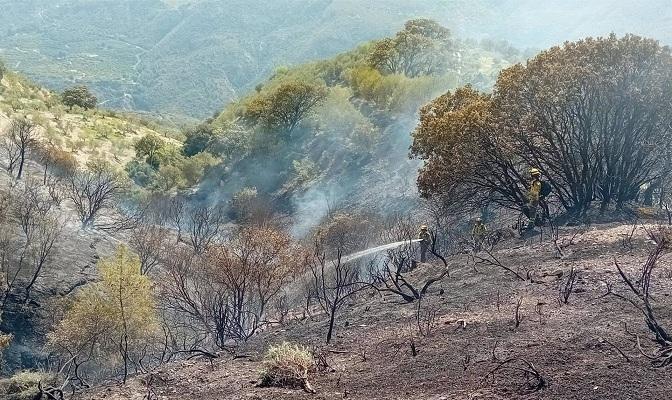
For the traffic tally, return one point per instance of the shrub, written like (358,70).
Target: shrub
(24,385)
(287,365)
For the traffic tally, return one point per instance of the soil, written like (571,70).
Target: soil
(585,349)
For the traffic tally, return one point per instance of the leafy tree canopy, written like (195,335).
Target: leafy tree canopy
(284,107)
(423,47)
(79,96)
(594,116)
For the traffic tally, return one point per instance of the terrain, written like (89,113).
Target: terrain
(147,254)
(351,149)
(87,135)
(192,57)
(585,349)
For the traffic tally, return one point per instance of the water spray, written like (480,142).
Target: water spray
(372,250)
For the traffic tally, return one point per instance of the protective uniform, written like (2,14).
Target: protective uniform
(425,241)
(478,234)
(533,196)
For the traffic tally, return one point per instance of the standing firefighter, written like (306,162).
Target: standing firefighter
(425,241)
(533,197)
(478,233)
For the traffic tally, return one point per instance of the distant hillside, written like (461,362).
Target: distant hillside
(92,134)
(349,150)
(192,57)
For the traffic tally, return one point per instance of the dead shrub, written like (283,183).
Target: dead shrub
(640,296)
(521,373)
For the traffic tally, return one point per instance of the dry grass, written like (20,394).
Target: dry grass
(23,385)
(287,365)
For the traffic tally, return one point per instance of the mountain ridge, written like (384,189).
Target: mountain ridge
(217,52)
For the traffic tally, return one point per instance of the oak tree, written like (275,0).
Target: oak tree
(285,106)
(595,116)
(79,96)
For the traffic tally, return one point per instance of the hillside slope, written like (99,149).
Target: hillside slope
(192,57)
(87,135)
(91,135)
(585,349)
(350,150)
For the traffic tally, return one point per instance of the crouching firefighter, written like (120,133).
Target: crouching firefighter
(425,242)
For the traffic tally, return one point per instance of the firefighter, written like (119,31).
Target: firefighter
(425,241)
(533,197)
(478,233)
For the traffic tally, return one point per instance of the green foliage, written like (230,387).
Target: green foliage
(140,172)
(305,170)
(168,178)
(396,92)
(194,168)
(170,169)
(282,108)
(359,113)
(149,147)
(340,121)
(199,139)
(115,317)
(79,96)
(423,47)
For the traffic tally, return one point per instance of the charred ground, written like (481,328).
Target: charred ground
(585,349)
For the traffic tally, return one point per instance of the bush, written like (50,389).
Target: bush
(287,365)
(24,385)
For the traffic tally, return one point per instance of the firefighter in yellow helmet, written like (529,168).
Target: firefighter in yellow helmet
(533,196)
(425,241)
(478,233)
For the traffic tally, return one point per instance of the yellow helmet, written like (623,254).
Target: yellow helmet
(423,227)
(534,172)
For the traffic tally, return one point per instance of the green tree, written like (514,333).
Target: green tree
(422,48)
(149,147)
(284,107)
(113,317)
(594,116)
(199,139)
(79,96)
(3,69)
(140,172)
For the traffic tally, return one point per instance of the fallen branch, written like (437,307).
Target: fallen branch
(196,353)
(661,358)
(493,261)
(533,381)
(50,393)
(618,349)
